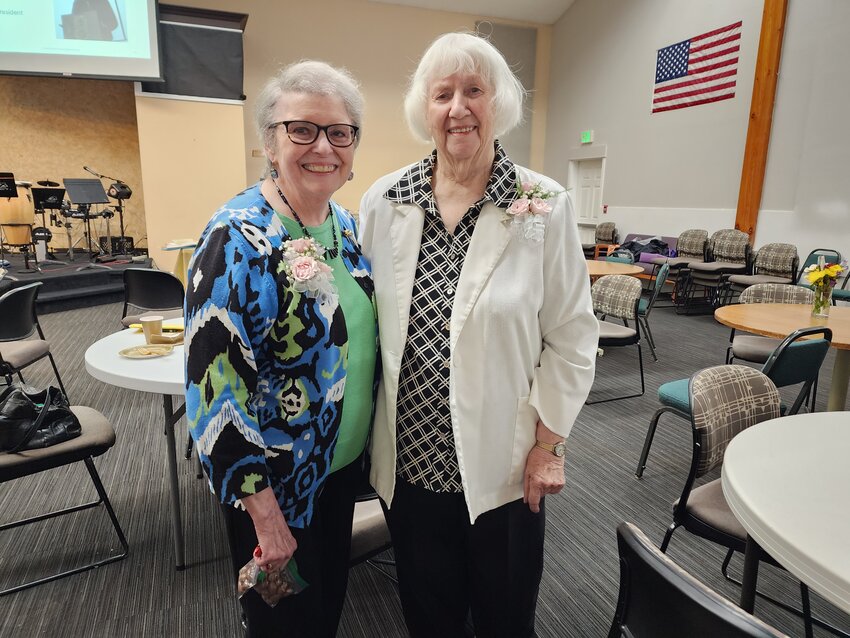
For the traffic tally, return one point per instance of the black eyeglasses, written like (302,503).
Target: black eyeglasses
(302,132)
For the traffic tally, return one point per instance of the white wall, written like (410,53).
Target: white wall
(681,169)
(808,169)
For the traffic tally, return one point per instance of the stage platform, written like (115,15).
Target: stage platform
(65,286)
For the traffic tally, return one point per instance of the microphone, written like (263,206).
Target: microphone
(88,169)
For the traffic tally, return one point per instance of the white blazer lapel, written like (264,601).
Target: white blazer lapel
(406,234)
(489,240)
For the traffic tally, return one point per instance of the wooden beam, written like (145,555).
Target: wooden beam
(761,115)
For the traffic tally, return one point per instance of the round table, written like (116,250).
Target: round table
(786,481)
(779,320)
(597,268)
(160,375)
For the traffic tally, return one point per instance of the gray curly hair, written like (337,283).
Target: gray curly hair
(311,77)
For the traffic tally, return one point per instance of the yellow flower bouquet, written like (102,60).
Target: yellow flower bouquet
(822,277)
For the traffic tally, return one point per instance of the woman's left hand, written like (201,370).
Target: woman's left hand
(544,474)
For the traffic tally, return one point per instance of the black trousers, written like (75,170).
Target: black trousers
(447,566)
(322,558)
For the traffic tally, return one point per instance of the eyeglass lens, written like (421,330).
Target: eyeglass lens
(307,133)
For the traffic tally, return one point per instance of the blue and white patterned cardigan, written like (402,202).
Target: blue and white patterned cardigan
(264,363)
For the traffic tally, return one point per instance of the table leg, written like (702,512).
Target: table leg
(751,573)
(181,268)
(840,376)
(176,518)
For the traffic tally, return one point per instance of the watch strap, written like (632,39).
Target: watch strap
(550,447)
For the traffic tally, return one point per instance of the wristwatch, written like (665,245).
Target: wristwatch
(559,449)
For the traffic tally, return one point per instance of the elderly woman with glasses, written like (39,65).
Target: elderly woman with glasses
(281,346)
(488,344)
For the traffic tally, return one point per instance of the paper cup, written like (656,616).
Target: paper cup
(151,325)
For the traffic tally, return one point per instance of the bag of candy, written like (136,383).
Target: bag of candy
(271,586)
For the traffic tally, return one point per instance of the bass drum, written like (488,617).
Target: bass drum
(16,214)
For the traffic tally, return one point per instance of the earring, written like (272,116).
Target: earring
(351,176)
(273,172)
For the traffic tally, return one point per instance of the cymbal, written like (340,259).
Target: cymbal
(47,182)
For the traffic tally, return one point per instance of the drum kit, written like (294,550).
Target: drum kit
(21,201)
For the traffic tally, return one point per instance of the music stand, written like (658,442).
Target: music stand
(8,189)
(45,199)
(83,192)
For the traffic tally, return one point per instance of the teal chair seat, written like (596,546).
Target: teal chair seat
(675,395)
(841,295)
(642,306)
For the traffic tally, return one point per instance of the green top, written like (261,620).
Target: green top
(361,325)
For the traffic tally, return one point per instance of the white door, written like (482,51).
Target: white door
(589,191)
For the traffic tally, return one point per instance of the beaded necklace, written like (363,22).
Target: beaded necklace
(331,252)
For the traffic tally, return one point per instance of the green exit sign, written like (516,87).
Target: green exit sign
(587,137)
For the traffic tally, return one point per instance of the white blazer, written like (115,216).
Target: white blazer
(523,338)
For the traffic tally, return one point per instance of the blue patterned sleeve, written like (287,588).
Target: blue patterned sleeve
(227,298)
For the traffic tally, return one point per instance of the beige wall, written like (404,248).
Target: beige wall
(190,167)
(380,44)
(191,157)
(51,127)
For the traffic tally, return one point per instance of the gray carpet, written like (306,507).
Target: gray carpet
(145,596)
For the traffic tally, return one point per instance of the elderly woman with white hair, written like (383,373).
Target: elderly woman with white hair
(281,346)
(488,344)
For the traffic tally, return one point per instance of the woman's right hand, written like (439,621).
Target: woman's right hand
(273,535)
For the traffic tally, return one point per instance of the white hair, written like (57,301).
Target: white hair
(464,53)
(309,77)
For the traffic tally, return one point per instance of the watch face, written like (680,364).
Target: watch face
(560,449)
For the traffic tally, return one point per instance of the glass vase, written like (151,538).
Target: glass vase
(822,301)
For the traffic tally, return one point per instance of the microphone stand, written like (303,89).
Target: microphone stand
(119,208)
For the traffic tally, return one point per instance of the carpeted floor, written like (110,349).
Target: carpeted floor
(145,596)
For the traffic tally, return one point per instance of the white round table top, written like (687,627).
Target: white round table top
(161,375)
(787,481)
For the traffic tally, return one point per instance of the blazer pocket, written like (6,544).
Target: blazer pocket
(524,436)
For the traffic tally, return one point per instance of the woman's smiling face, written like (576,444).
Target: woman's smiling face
(459,115)
(313,171)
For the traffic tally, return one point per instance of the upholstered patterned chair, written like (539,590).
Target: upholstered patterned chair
(724,401)
(691,247)
(606,234)
(774,263)
(618,297)
(730,254)
(754,348)
(796,360)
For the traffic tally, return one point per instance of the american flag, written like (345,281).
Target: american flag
(697,71)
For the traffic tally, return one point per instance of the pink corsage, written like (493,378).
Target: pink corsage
(304,264)
(527,212)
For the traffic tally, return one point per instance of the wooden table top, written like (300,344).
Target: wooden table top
(599,268)
(779,320)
